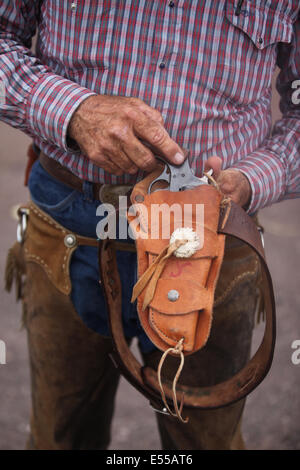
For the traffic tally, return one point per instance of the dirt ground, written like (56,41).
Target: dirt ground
(272,415)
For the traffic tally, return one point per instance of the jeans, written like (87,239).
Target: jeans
(77,212)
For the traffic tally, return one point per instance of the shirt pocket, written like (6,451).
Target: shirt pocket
(78,33)
(245,67)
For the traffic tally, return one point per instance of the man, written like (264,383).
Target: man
(111,85)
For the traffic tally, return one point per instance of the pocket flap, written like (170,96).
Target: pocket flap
(264,25)
(179,297)
(43,231)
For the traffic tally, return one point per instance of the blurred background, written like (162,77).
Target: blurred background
(272,415)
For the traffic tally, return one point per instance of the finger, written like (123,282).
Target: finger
(150,112)
(235,185)
(112,167)
(215,164)
(125,149)
(105,163)
(140,155)
(123,161)
(156,136)
(153,114)
(111,152)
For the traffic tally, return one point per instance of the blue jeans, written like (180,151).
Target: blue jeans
(77,212)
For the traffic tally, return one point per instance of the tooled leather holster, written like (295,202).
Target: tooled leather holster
(181,322)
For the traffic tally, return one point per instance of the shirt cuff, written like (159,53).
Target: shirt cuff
(50,106)
(266,175)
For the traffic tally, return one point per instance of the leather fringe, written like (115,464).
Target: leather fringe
(14,274)
(13,271)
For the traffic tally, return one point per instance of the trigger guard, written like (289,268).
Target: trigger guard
(159,189)
(164,176)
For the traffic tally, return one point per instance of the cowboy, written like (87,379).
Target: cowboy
(110,86)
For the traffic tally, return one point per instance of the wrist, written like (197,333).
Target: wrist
(77,118)
(51,105)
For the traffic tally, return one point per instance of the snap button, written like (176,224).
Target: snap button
(171,4)
(162,65)
(173,295)
(70,240)
(139,198)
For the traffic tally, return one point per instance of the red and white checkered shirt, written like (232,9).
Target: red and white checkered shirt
(205,65)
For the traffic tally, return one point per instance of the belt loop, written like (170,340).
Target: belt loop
(88,193)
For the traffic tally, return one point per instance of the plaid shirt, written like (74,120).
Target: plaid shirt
(204,65)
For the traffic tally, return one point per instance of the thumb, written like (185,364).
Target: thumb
(215,164)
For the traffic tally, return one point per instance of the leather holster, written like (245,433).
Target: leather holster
(192,279)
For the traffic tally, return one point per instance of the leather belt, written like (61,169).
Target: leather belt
(65,176)
(106,193)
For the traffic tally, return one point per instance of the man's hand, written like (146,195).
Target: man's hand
(122,134)
(232,183)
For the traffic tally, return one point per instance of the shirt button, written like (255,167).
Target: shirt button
(162,65)
(171,4)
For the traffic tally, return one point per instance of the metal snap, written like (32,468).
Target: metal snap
(173,295)
(70,240)
(139,198)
